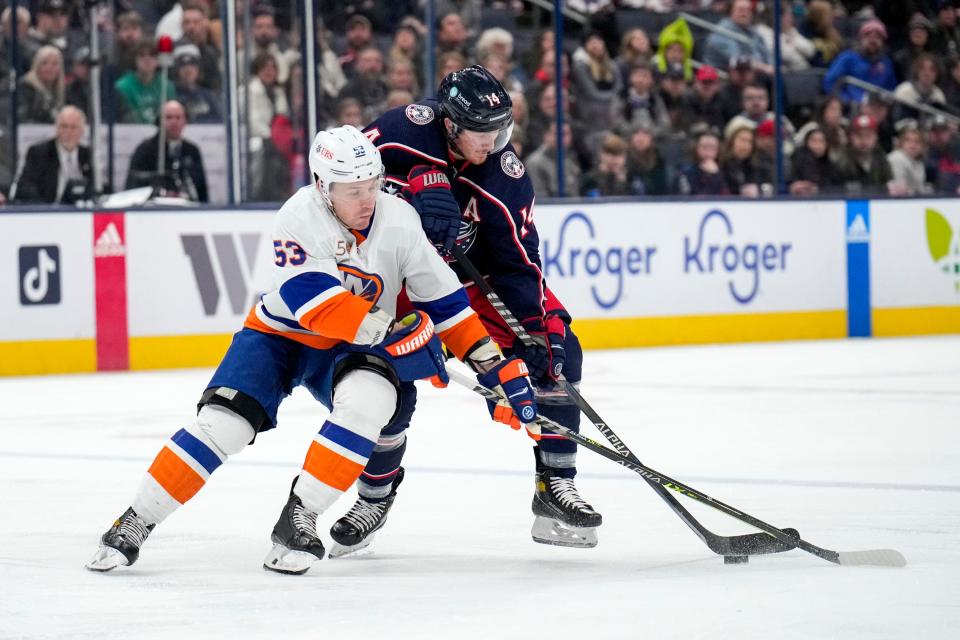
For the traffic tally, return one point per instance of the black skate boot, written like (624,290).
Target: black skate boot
(296,545)
(120,545)
(563,518)
(356,530)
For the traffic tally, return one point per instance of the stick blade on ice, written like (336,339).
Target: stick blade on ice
(872,557)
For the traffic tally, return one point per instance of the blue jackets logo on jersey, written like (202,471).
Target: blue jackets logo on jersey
(368,286)
(752,258)
(419,114)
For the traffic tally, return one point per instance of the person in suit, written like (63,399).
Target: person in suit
(58,170)
(183,171)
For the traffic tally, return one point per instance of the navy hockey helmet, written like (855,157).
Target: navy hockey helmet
(474,100)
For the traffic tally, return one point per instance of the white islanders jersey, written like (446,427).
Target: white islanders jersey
(326,277)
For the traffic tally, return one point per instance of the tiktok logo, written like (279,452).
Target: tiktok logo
(39,275)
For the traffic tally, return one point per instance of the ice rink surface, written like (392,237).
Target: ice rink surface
(855,443)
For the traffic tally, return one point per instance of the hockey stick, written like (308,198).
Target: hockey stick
(727,546)
(875,557)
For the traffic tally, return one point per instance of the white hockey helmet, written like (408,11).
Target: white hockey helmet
(342,154)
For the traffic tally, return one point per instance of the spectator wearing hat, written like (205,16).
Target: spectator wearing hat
(741,74)
(52,28)
(919,41)
(609,177)
(183,173)
(358,32)
(721,47)
(812,172)
(6,33)
(139,90)
(765,153)
(702,175)
(596,82)
(946,31)
(196,32)
(672,89)
(863,166)
(907,161)
(541,164)
(921,88)
(675,47)
(128,35)
(943,156)
(57,170)
(43,88)
(704,103)
(646,170)
(642,105)
(202,104)
(868,61)
(796,51)
(78,84)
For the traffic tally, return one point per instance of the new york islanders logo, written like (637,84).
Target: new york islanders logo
(511,165)
(368,286)
(419,114)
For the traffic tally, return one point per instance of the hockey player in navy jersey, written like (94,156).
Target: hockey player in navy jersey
(452,159)
(344,250)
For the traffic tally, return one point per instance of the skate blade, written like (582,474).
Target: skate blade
(549,531)
(284,560)
(106,559)
(360,549)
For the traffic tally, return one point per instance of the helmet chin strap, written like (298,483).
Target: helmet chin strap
(452,134)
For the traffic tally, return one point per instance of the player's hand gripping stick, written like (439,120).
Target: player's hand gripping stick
(546,356)
(429,193)
(516,405)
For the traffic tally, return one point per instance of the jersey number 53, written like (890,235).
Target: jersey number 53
(288,252)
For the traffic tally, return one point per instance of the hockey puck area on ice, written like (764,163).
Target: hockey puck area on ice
(735,559)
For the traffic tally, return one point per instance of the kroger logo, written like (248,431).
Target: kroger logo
(725,255)
(571,258)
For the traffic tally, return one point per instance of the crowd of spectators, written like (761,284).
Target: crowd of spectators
(654,104)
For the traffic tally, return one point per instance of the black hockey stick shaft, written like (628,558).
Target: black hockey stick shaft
(753,543)
(886,557)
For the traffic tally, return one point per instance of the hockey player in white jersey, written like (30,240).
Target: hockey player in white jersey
(343,251)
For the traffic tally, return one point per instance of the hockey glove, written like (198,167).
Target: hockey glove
(547,356)
(517,405)
(415,351)
(429,193)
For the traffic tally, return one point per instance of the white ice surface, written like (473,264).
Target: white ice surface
(854,443)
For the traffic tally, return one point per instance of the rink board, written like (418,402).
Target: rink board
(915,266)
(92,291)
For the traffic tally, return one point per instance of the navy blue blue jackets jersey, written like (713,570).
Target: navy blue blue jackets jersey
(496,200)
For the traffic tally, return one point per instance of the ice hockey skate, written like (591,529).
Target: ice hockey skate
(120,545)
(296,545)
(355,531)
(563,518)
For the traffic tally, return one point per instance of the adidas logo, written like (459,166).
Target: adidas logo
(109,244)
(857,231)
